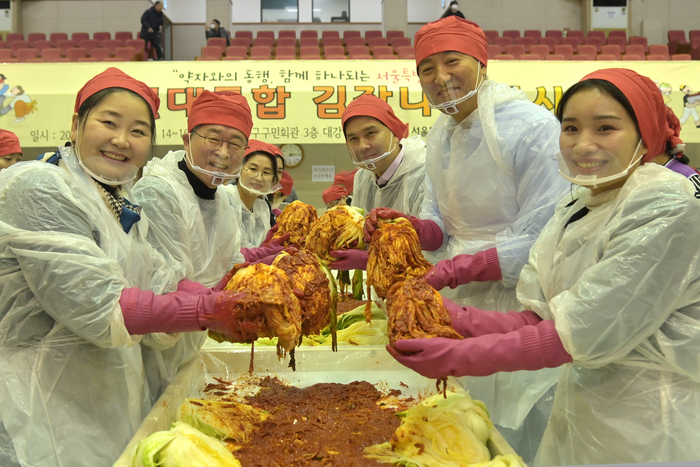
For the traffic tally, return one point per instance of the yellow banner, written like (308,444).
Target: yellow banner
(300,101)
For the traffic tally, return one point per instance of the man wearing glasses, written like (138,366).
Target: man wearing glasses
(193,222)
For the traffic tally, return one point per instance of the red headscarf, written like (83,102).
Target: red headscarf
(221,108)
(334,193)
(287,183)
(657,122)
(451,33)
(345,179)
(255,145)
(115,78)
(9,143)
(369,105)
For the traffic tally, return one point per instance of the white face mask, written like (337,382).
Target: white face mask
(454,7)
(212,26)
(217,178)
(594,168)
(95,167)
(453,95)
(379,147)
(246,180)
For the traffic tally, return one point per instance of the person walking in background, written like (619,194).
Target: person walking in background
(215,30)
(452,10)
(151,27)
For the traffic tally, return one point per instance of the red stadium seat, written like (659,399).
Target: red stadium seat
(76,53)
(219,42)
(589,50)
(100,53)
(268,41)
(268,34)
(287,34)
(123,36)
(504,57)
(79,36)
(332,42)
(243,42)
(512,33)
(333,50)
(373,33)
(515,50)
(608,57)
(618,33)
(491,36)
(25,54)
(309,50)
(89,45)
(348,33)
(526,42)
(239,52)
(540,50)
(16,45)
(260,52)
(309,33)
(640,40)
(555,34)
(597,41)
(336,57)
(406,53)
(329,34)
(248,35)
(535,34)
(630,57)
(581,57)
(681,57)
(659,49)
(308,42)
(549,42)
(598,34)
(112,45)
(391,35)
(32,37)
(354,41)
(360,56)
(358,50)
(41,45)
(656,57)
(529,57)
(53,55)
(64,45)
(286,51)
(493,50)
(503,42)
(573,42)
(376,41)
(101,37)
(211,52)
(618,41)
(281,42)
(139,48)
(397,42)
(677,35)
(555,57)
(12,37)
(611,49)
(57,36)
(564,49)
(125,54)
(577,34)
(5,55)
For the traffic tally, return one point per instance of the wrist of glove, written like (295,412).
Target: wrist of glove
(270,234)
(349,260)
(473,322)
(528,348)
(274,247)
(145,312)
(191,287)
(463,269)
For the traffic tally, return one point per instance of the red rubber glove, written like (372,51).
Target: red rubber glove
(349,259)
(274,247)
(473,322)
(463,269)
(529,348)
(429,233)
(269,235)
(188,286)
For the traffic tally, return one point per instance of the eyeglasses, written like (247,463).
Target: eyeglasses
(267,175)
(213,143)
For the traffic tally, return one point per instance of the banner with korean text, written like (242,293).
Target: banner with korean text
(301,101)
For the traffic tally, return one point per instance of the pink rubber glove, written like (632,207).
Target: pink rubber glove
(269,235)
(276,212)
(528,348)
(463,269)
(253,255)
(145,312)
(191,287)
(429,233)
(349,259)
(473,322)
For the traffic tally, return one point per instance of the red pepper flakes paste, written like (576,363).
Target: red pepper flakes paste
(325,424)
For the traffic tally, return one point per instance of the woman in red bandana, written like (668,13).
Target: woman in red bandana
(83,291)
(612,285)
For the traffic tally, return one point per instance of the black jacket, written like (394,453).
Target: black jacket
(151,19)
(221,32)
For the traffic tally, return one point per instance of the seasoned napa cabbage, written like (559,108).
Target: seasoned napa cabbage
(182,446)
(439,432)
(221,419)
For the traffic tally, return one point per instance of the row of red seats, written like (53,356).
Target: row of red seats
(550,42)
(396,41)
(567,50)
(261,52)
(109,46)
(608,57)
(221,43)
(76,37)
(76,54)
(313,34)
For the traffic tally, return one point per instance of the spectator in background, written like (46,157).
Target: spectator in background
(151,27)
(334,196)
(277,199)
(452,10)
(10,150)
(346,179)
(215,30)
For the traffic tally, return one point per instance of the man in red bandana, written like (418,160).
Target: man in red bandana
(492,183)
(193,220)
(334,195)
(10,150)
